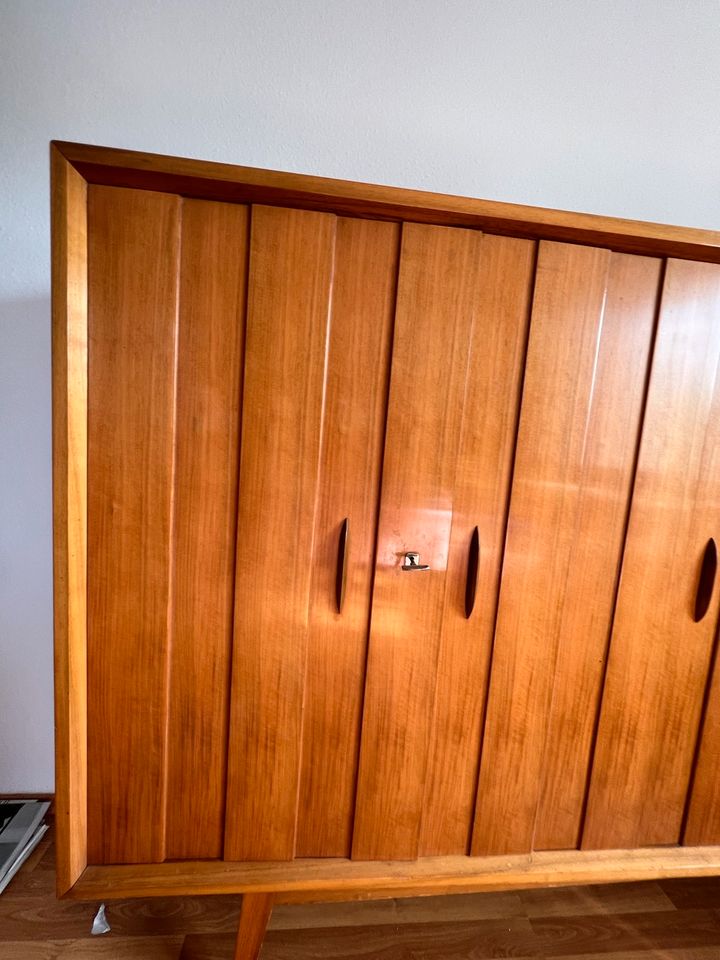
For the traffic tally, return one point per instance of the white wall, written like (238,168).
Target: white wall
(611,107)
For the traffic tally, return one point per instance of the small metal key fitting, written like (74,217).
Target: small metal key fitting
(411,561)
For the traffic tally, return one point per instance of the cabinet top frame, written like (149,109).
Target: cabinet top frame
(209,180)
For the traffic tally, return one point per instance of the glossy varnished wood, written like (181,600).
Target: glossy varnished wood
(481,488)
(611,444)
(254,915)
(213,280)
(223,181)
(133,264)
(69,361)
(332,878)
(436,304)
(363,301)
(590,337)
(290,280)
(659,657)
(703,803)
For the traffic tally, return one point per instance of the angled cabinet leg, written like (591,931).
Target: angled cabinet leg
(255,913)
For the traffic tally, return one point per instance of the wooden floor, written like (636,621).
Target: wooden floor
(671,919)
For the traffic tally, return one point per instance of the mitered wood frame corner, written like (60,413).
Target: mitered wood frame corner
(73,167)
(209,180)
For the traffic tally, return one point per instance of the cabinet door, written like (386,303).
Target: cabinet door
(458,349)
(590,336)
(320,299)
(659,656)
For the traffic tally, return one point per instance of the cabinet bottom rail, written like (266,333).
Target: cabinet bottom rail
(306,880)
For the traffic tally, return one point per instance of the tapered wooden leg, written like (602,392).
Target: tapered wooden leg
(255,912)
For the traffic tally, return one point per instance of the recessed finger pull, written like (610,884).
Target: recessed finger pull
(706,581)
(411,561)
(341,568)
(472,572)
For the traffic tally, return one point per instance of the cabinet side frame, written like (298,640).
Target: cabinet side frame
(69,439)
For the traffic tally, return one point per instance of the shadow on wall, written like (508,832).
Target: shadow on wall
(26,703)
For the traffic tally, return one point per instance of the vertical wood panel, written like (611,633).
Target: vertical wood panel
(570,489)
(659,657)
(69,363)
(290,279)
(210,347)
(703,802)
(132,275)
(589,592)
(366,254)
(436,305)
(497,356)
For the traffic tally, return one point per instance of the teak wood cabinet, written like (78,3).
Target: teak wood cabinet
(385,539)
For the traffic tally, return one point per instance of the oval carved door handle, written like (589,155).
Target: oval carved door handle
(706,581)
(341,568)
(473,568)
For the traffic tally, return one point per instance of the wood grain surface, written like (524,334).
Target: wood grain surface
(436,305)
(290,280)
(659,657)
(363,301)
(481,490)
(69,399)
(702,816)
(133,265)
(255,912)
(610,451)
(213,277)
(224,181)
(590,334)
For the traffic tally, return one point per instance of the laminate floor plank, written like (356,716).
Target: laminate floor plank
(199,946)
(615,935)
(316,915)
(478,940)
(117,948)
(167,916)
(33,917)
(38,872)
(459,907)
(693,892)
(681,953)
(605,898)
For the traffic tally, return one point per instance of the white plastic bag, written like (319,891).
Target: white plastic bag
(100,924)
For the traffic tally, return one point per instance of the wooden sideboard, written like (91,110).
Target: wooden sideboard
(385,539)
